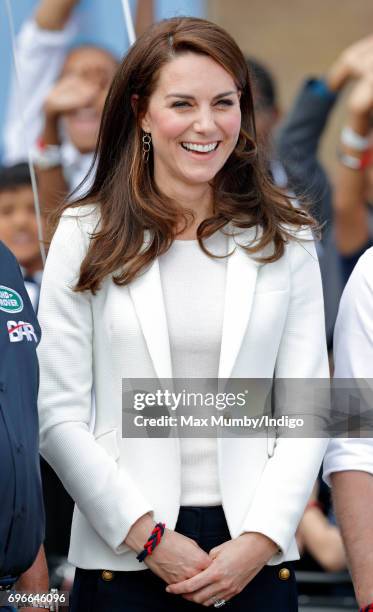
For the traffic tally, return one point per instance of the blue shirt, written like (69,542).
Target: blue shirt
(21,505)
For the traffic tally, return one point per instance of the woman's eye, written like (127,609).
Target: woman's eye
(225,102)
(184,104)
(180,104)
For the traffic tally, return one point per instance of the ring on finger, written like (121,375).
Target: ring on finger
(219,603)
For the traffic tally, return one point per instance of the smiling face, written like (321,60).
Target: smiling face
(194,119)
(18,226)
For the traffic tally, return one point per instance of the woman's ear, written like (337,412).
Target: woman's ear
(134,102)
(145,123)
(144,120)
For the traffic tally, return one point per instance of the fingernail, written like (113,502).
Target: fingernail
(168,589)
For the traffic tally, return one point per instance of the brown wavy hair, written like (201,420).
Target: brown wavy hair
(129,200)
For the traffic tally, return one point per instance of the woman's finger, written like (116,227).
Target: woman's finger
(208,595)
(220,597)
(196,583)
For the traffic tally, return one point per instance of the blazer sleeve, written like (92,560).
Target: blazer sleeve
(289,475)
(105,494)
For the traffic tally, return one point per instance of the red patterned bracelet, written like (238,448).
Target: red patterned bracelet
(367,608)
(152,541)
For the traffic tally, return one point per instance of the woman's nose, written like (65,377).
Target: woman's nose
(205,121)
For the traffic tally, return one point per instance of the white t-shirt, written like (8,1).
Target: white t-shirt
(353,353)
(194,288)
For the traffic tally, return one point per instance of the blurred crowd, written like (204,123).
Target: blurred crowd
(64,90)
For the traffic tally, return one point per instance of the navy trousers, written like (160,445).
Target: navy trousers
(143,591)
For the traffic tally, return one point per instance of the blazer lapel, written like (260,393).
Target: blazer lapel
(147,296)
(240,286)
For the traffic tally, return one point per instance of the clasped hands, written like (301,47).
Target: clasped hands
(204,578)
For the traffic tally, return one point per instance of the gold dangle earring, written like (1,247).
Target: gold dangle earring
(146,146)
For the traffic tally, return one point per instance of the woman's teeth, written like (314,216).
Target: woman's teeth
(200,148)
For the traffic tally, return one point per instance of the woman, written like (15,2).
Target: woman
(131,291)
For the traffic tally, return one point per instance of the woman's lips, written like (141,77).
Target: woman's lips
(200,153)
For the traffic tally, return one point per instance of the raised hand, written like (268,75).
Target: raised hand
(353,63)
(69,94)
(53,14)
(360,101)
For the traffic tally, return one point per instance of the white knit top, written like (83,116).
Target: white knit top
(194,288)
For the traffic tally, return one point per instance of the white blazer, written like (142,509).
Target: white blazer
(273,326)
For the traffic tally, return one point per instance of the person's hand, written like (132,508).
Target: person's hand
(69,94)
(360,102)
(353,63)
(234,564)
(177,558)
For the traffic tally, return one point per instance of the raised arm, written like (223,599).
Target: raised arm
(300,135)
(41,50)
(144,16)
(298,146)
(54,15)
(350,201)
(66,96)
